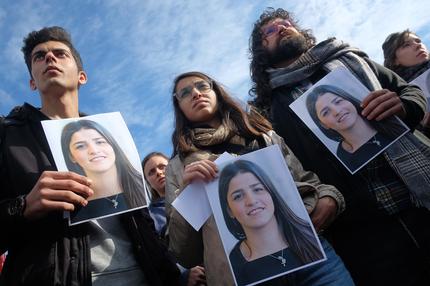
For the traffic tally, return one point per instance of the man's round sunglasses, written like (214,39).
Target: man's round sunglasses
(274,27)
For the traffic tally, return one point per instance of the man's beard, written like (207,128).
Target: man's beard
(287,50)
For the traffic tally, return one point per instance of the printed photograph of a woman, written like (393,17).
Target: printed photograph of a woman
(272,239)
(423,81)
(90,150)
(337,113)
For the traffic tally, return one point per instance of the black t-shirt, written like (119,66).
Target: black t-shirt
(363,154)
(247,272)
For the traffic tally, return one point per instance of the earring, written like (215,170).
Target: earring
(239,231)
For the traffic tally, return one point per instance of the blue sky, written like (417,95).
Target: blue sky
(133,49)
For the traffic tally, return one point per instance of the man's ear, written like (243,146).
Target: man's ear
(82,78)
(32,84)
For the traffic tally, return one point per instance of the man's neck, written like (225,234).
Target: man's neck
(58,106)
(286,63)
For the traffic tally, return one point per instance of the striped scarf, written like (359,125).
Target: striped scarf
(408,156)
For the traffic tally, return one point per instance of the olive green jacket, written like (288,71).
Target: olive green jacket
(193,247)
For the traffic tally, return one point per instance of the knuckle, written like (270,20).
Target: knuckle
(44,181)
(70,185)
(69,196)
(43,203)
(43,192)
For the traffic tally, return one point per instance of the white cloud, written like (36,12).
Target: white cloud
(5,98)
(364,24)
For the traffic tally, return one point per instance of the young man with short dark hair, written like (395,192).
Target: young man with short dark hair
(42,248)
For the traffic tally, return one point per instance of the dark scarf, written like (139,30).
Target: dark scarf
(209,143)
(411,73)
(408,156)
(314,59)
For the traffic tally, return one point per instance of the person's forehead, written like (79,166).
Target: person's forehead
(86,133)
(183,82)
(326,97)
(155,161)
(50,45)
(411,36)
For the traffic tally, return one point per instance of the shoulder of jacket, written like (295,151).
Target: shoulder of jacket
(175,163)
(15,117)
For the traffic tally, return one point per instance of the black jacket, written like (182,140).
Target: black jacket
(314,156)
(48,251)
(361,233)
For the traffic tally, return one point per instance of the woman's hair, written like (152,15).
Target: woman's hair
(297,231)
(249,125)
(389,127)
(130,179)
(391,44)
(154,193)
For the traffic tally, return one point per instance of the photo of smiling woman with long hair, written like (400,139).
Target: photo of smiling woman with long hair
(338,115)
(272,239)
(90,150)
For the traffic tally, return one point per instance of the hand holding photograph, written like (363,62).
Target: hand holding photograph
(89,148)
(423,81)
(332,110)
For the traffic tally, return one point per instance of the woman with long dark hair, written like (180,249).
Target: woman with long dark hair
(90,150)
(209,122)
(407,55)
(338,115)
(270,234)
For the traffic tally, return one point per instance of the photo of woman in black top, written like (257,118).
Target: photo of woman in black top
(338,115)
(272,238)
(90,150)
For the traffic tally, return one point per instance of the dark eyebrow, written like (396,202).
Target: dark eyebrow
(335,98)
(332,101)
(323,110)
(38,53)
(92,139)
(235,192)
(251,186)
(43,52)
(79,142)
(185,88)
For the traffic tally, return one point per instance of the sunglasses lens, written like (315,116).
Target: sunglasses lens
(274,27)
(286,23)
(270,30)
